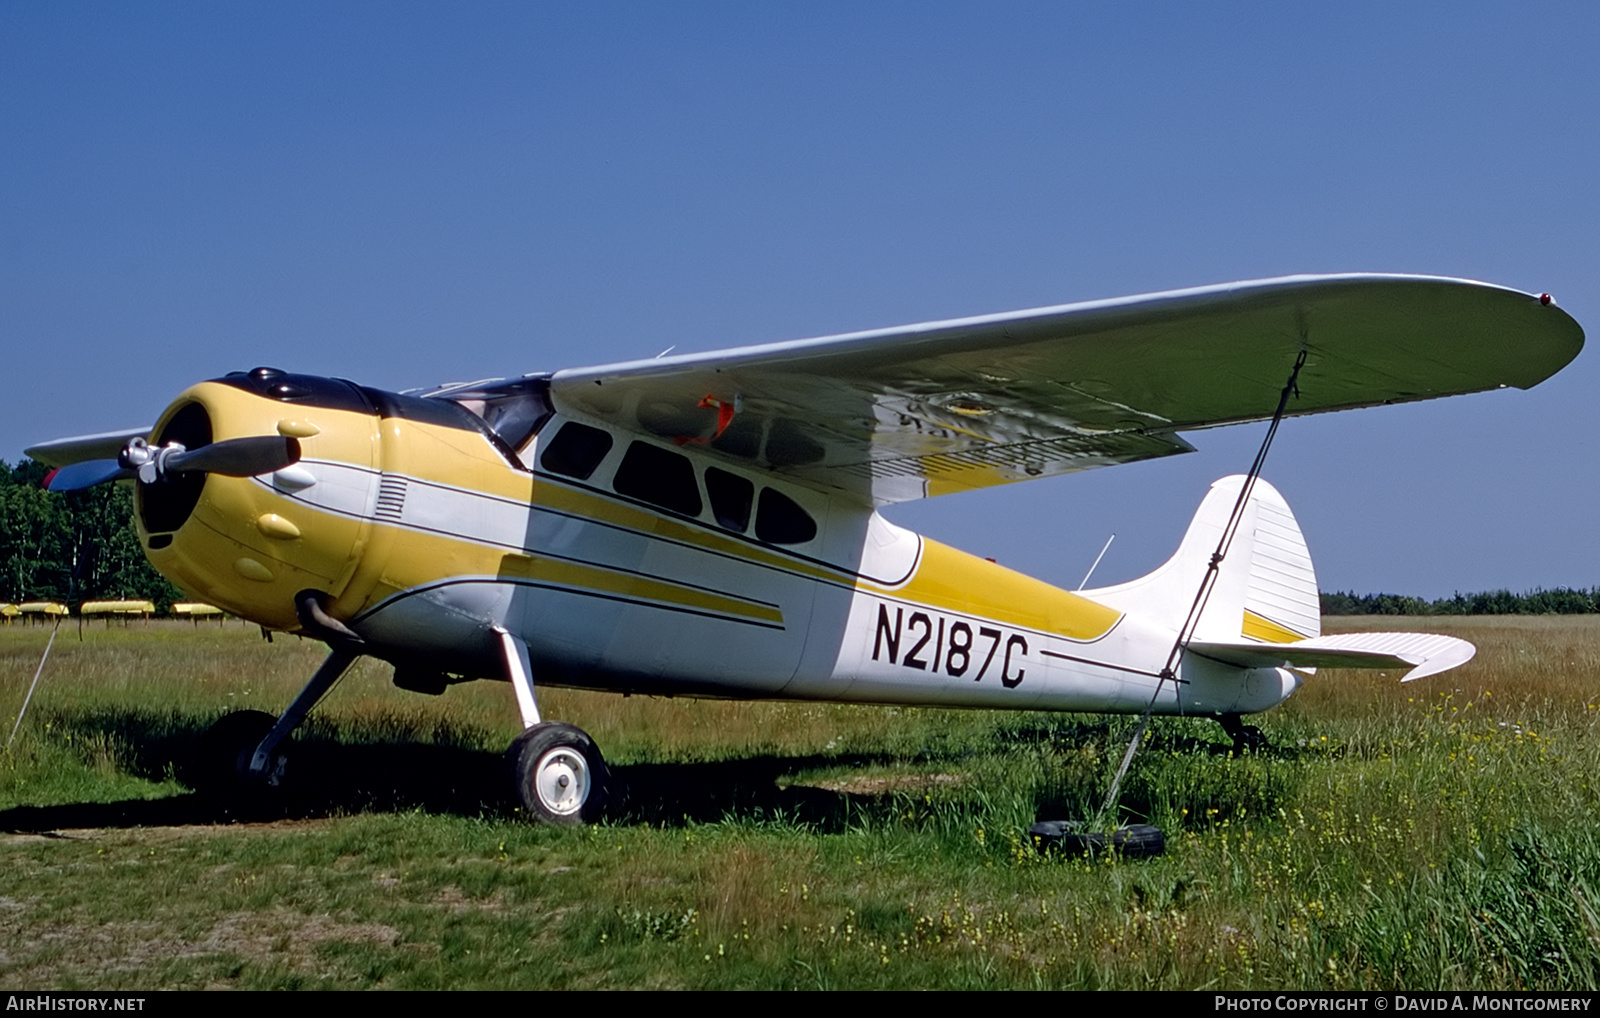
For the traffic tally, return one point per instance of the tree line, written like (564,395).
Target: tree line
(1560,601)
(72,546)
(80,546)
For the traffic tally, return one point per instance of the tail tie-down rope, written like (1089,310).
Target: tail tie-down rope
(1169,672)
(38,672)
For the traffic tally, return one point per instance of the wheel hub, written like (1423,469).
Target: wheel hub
(562,781)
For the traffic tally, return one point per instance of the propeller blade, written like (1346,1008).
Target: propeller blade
(237,457)
(87,474)
(61,451)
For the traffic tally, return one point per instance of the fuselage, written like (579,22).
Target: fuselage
(626,562)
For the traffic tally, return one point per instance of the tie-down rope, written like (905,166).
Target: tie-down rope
(1207,584)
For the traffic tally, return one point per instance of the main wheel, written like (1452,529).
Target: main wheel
(559,773)
(221,765)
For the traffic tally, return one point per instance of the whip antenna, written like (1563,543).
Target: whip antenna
(1096,564)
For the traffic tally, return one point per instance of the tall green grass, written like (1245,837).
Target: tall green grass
(1438,834)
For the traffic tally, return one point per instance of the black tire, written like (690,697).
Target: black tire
(221,764)
(559,774)
(1249,740)
(1070,837)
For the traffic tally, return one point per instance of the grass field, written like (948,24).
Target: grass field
(1440,834)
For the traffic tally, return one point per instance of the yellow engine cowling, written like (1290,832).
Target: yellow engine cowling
(247,544)
(334,522)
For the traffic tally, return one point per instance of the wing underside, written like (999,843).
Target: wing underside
(921,410)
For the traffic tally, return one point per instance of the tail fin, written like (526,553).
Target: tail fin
(1266,589)
(1264,611)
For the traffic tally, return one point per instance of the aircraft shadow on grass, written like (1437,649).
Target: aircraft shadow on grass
(346,776)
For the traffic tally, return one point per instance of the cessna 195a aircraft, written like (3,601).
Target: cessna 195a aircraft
(707,524)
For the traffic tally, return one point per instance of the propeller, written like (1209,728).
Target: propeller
(77,476)
(233,457)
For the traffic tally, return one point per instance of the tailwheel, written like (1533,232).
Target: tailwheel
(1250,739)
(1246,738)
(221,765)
(559,773)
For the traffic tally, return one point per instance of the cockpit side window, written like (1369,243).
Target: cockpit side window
(511,411)
(576,450)
(515,411)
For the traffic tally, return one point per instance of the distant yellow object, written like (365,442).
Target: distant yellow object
(43,608)
(124,609)
(197,610)
(117,608)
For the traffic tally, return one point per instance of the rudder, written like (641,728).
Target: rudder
(1266,588)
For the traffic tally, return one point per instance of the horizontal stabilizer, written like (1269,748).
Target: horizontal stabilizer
(1421,654)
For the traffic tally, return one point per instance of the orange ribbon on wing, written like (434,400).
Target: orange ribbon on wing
(724,409)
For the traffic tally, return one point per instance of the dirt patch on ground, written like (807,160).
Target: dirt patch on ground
(883,784)
(451,899)
(145,835)
(279,933)
(277,937)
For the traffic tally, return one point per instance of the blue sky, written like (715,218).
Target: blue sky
(404,194)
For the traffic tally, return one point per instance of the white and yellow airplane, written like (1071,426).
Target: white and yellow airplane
(707,524)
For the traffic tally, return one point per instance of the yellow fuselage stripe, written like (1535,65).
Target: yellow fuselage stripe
(631,586)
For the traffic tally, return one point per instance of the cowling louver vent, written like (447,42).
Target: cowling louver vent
(391,498)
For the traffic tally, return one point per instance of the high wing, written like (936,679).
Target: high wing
(897,414)
(919,410)
(66,451)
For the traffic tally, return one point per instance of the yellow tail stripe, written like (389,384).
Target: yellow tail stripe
(962,583)
(1260,628)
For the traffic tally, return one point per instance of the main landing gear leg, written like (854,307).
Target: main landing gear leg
(243,749)
(332,670)
(1246,738)
(559,774)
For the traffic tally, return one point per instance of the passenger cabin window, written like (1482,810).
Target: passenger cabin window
(731,499)
(780,520)
(576,450)
(658,476)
